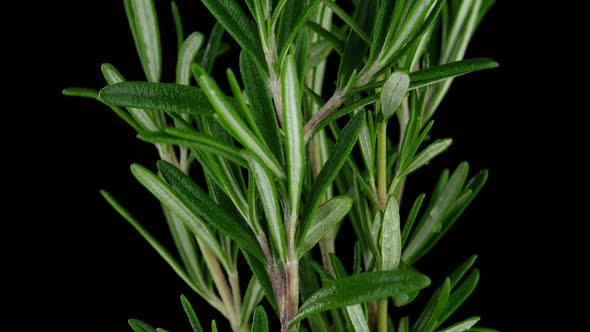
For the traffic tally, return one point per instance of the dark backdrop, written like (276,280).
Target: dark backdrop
(74,265)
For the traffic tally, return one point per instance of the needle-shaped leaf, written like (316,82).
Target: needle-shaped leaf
(293,126)
(360,288)
(270,205)
(177,23)
(341,13)
(299,24)
(354,55)
(139,326)
(185,212)
(460,294)
(260,100)
(391,249)
(331,37)
(430,223)
(195,140)
(201,204)
(428,319)
(153,242)
(260,320)
(213,49)
(190,314)
(166,97)
(393,93)
(412,217)
(462,326)
(468,194)
(185,245)
(434,149)
(325,219)
(186,56)
(147,118)
(340,152)
(354,312)
(229,14)
(143,22)
(230,119)
(93,94)
(457,275)
(443,72)
(287,22)
(253,296)
(259,271)
(349,108)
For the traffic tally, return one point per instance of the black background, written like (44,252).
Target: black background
(73,264)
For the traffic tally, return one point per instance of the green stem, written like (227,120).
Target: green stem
(382,319)
(381,164)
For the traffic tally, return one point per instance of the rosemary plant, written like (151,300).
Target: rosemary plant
(264,175)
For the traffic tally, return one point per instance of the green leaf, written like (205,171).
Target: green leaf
(359,30)
(404,324)
(412,217)
(318,53)
(167,97)
(197,141)
(338,156)
(186,56)
(231,16)
(349,108)
(148,119)
(425,156)
(93,94)
(253,296)
(482,329)
(443,72)
(328,215)
(382,20)
(80,92)
(360,288)
(260,100)
(429,318)
(355,49)
(168,258)
(202,205)
(213,326)
(288,21)
(213,49)
(180,208)
(300,23)
(330,37)
(260,321)
(230,119)
(393,93)
(177,24)
(462,326)
(139,326)
(268,195)
(259,271)
(293,126)
(460,294)
(471,190)
(186,246)
(355,313)
(460,271)
(190,314)
(143,22)
(391,248)
(401,36)
(430,224)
